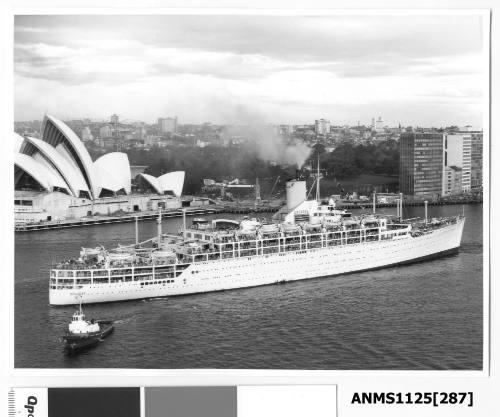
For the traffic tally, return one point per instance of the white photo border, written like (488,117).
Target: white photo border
(136,377)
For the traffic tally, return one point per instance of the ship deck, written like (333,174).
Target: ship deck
(206,245)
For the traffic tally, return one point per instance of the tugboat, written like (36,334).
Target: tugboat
(82,333)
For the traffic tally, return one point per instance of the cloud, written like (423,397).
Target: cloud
(289,68)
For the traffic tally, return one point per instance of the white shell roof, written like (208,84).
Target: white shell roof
(113,171)
(70,173)
(173,181)
(18,142)
(80,150)
(46,178)
(56,179)
(61,160)
(153,181)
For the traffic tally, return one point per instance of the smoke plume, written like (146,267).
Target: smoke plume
(272,147)
(265,138)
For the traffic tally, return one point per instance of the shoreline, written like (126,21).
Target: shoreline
(244,208)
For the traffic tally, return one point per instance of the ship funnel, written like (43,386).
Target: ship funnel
(295,193)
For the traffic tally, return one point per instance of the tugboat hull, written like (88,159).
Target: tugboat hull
(75,341)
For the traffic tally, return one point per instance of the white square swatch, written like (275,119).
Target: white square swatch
(287,401)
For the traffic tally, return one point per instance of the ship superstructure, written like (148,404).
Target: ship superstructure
(312,239)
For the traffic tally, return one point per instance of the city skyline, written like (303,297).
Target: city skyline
(415,70)
(311,124)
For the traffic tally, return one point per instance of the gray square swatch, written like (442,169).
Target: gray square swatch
(191,402)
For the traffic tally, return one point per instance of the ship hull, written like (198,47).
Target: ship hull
(241,272)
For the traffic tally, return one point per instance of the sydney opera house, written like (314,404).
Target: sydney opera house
(55,178)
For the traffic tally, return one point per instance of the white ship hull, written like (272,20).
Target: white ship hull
(241,272)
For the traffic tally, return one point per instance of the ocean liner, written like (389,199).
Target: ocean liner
(308,239)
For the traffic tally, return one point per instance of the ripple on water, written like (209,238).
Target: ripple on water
(421,316)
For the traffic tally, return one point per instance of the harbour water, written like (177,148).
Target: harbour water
(427,315)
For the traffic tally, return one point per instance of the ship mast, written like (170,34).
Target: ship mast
(400,206)
(136,230)
(184,223)
(317,182)
(159,226)
(79,296)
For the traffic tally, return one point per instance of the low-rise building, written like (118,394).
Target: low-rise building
(36,206)
(87,134)
(452,181)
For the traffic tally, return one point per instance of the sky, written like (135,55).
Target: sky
(413,70)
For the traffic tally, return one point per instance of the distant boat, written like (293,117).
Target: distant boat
(82,333)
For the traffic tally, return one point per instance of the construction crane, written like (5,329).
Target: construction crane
(257,191)
(312,187)
(339,186)
(274,186)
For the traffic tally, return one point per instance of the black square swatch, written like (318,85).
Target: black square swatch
(94,402)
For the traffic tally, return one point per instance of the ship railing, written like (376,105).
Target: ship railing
(76,265)
(251,248)
(71,279)
(72,283)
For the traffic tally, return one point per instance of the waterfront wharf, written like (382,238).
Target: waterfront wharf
(233,208)
(410,203)
(145,215)
(124,218)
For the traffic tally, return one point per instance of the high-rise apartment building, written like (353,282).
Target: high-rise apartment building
(105,132)
(457,153)
(322,126)
(167,124)
(421,164)
(455,159)
(476,181)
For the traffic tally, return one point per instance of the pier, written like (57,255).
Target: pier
(149,215)
(231,208)
(368,205)
(96,220)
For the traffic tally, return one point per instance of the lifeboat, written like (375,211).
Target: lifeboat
(246,234)
(200,223)
(290,228)
(88,254)
(246,225)
(162,255)
(269,228)
(121,257)
(225,224)
(351,224)
(313,226)
(370,221)
(91,251)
